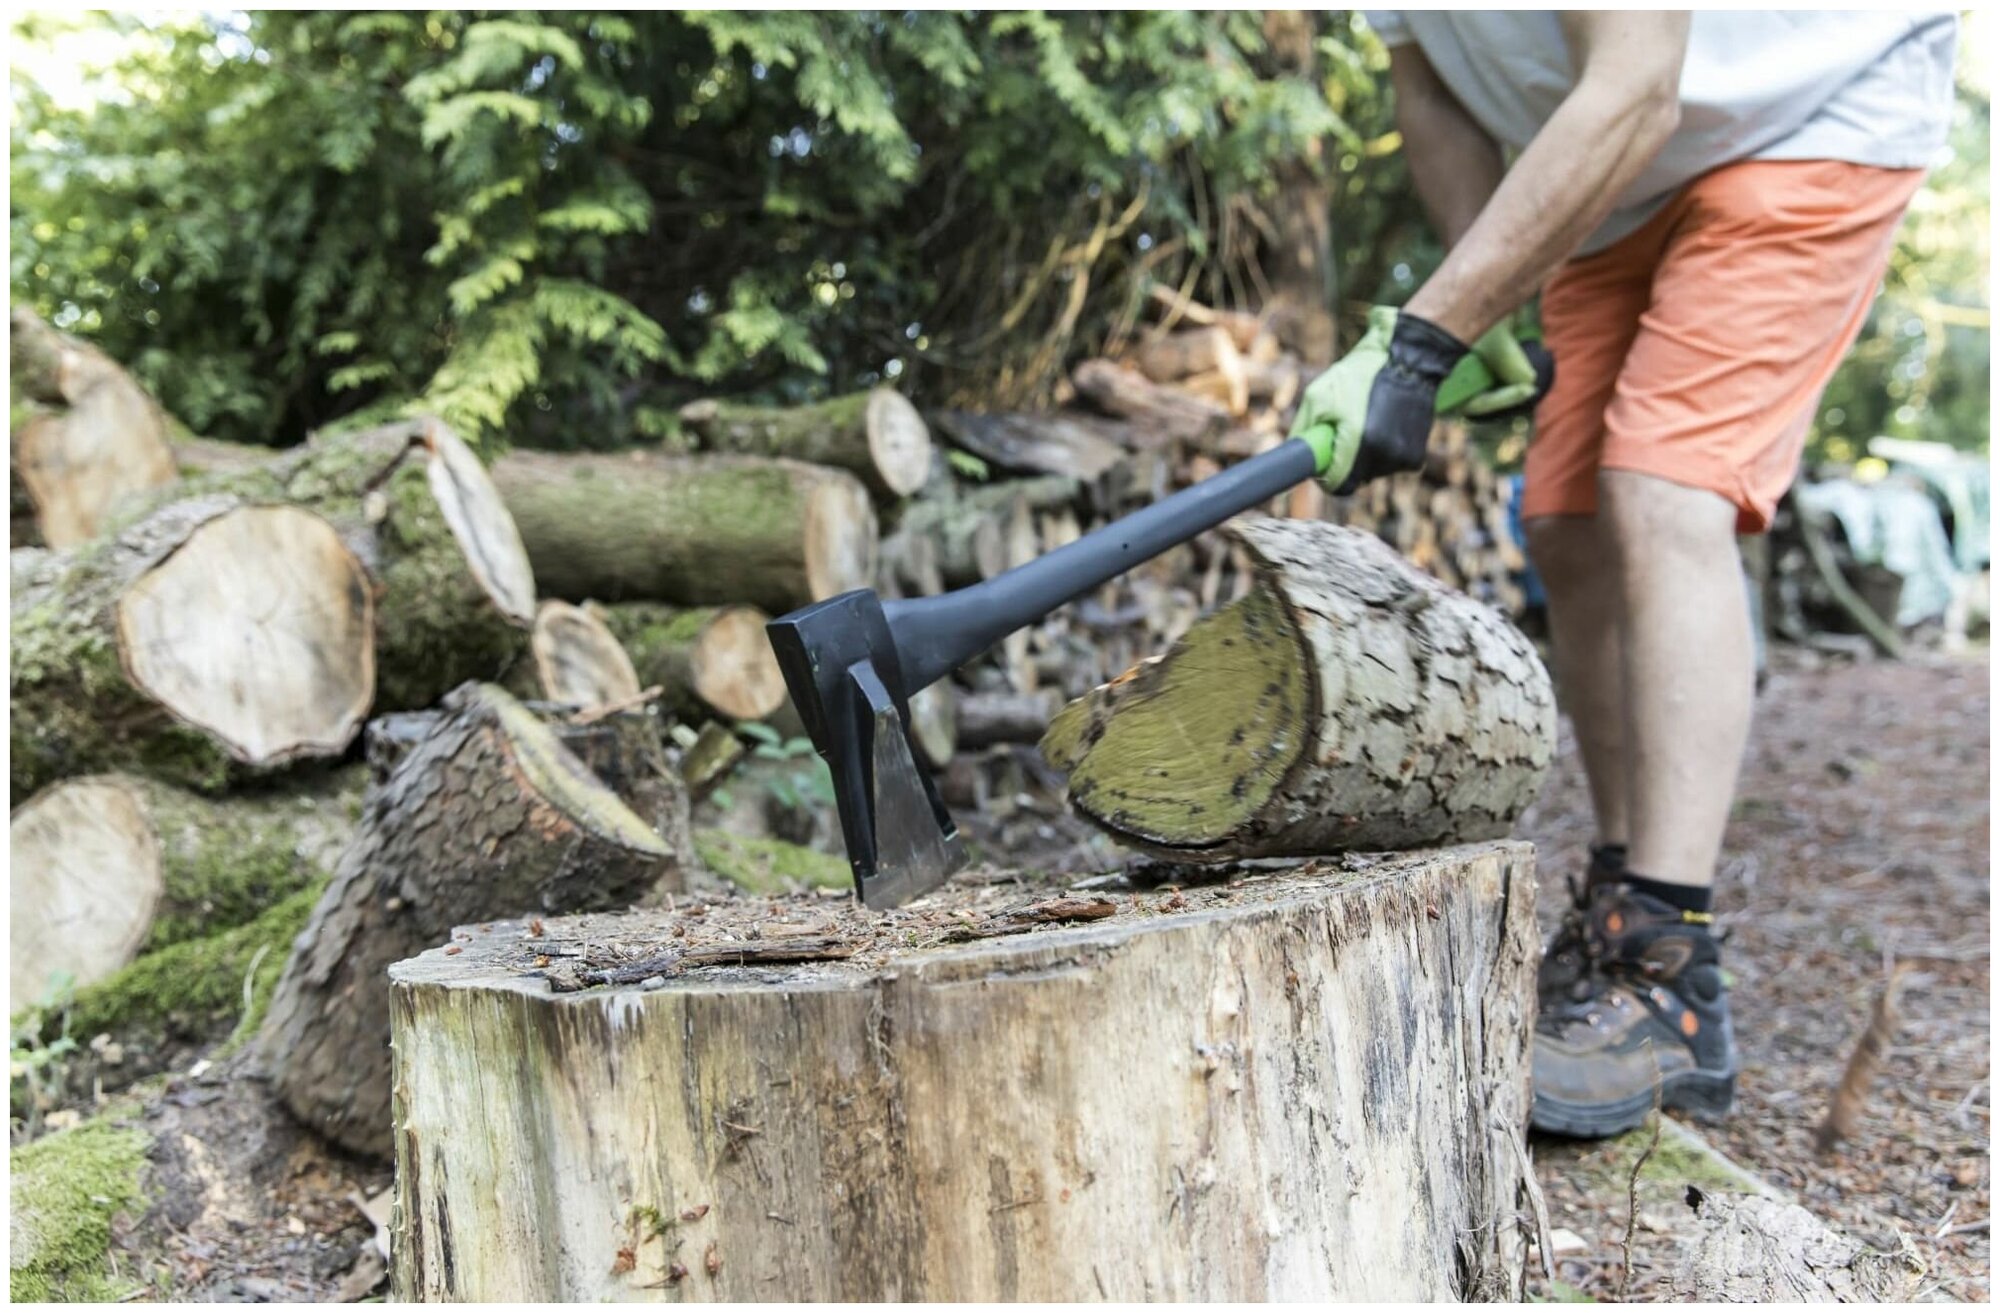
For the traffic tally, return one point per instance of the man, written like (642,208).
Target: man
(1712,202)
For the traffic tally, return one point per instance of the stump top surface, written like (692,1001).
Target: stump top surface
(827,940)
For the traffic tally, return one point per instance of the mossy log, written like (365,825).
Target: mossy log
(704,660)
(209,640)
(876,434)
(1347,702)
(107,867)
(1307,1084)
(455,595)
(85,436)
(691,531)
(488,816)
(64,1192)
(577,659)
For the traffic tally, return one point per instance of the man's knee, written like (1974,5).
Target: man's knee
(1644,514)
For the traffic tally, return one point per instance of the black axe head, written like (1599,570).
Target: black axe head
(840,662)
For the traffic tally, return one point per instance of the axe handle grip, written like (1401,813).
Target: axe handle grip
(936,635)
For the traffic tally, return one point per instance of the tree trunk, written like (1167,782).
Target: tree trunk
(93,436)
(1347,702)
(876,434)
(1309,1084)
(692,531)
(107,867)
(705,660)
(578,660)
(985,719)
(455,594)
(489,816)
(210,639)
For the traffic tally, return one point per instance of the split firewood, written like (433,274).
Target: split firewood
(985,719)
(705,660)
(489,816)
(707,762)
(934,723)
(1348,702)
(876,434)
(1201,361)
(1058,444)
(1243,329)
(106,867)
(1850,1097)
(210,640)
(691,531)
(91,437)
(1128,394)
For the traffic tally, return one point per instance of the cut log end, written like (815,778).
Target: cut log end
(477,517)
(732,666)
(86,881)
(1192,745)
(578,660)
(899,441)
(258,629)
(563,782)
(840,537)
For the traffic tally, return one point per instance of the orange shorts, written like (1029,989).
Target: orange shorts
(1696,348)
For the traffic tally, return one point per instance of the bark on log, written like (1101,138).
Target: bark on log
(876,434)
(704,661)
(488,816)
(1348,702)
(692,531)
(985,719)
(209,640)
(1309,1084)
(107,867)
(455,596)
(578,659)
(92,436)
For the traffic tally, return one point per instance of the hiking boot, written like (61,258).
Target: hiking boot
(1567,956)
(1649,1008)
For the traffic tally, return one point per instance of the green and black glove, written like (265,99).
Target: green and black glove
(1371,413)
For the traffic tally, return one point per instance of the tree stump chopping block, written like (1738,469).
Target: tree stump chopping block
(1307,1083)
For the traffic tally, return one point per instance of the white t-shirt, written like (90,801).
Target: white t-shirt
(1866,87)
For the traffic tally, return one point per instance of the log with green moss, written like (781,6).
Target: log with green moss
(876,434)
(455,592)
(488,816)
(85,436)
(691,531)
(210,640)
(107,867)
(766,866)
(64,1192)
(1347,702)
(704,660)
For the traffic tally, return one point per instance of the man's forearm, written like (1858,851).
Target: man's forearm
(1565,182)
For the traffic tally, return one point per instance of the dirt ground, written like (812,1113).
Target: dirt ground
(1860,839)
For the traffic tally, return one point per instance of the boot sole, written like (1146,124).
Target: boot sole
(1705,1095)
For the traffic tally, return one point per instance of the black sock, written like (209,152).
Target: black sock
(1687,897)
(1606,860)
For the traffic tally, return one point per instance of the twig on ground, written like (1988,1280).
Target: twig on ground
(1632,1192)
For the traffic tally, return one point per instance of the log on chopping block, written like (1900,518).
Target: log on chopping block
(1306,1084)
(578,659)
(488,816)
(455,595)
(876,434)
(704,660)
(106,867)
(1057,444)
(209,641)
(1347,702)
(692,531)
(91,437)
(987,718)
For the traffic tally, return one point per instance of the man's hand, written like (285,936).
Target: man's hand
(1503,378)
(1380,398)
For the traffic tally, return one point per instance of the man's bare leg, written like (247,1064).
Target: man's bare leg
(1688,669)
(1574,556)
